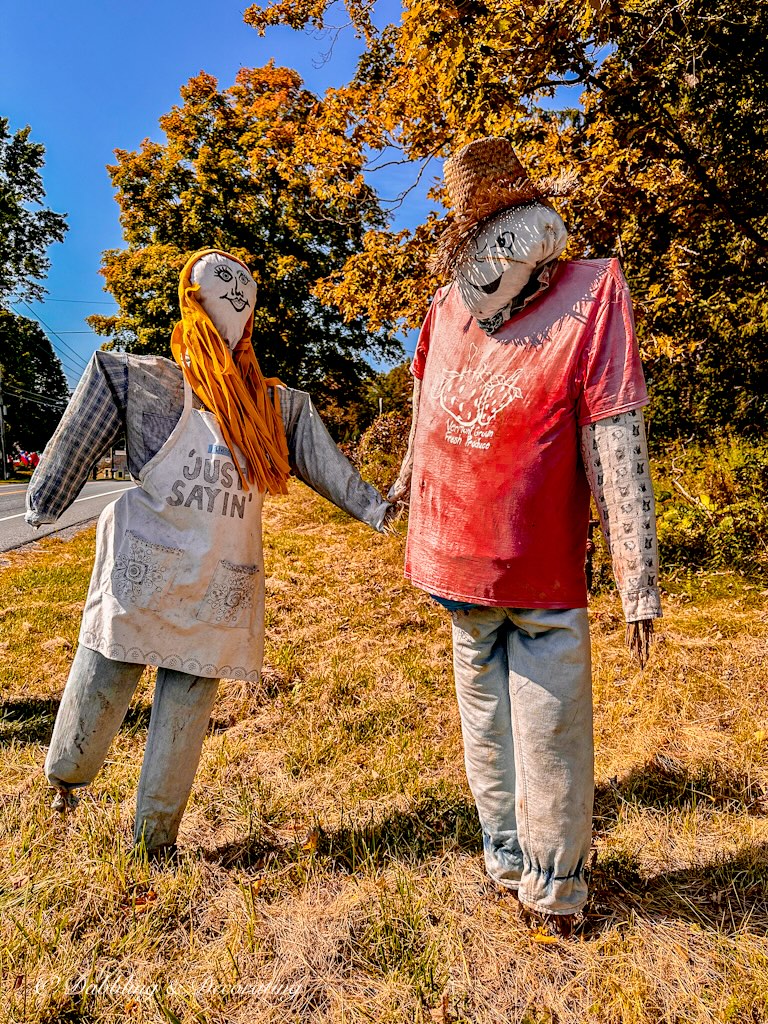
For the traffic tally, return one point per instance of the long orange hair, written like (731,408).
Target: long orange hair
(231,386)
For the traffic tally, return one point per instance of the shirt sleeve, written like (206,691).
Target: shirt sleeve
(315,459)
(91,423)
(422,345)
(612,380)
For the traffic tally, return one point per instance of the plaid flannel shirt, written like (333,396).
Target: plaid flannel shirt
(143,397)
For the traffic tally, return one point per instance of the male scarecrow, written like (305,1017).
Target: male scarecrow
(178,580)
(527,394)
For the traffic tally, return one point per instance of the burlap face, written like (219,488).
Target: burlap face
(508,249)
(227,294)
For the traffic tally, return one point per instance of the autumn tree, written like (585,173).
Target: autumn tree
(232,173)
(673,139)
(669,141)
(33,382)
(27,226)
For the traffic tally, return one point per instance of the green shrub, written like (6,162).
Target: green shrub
(712,505)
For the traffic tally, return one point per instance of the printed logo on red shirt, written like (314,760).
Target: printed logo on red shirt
(473,398)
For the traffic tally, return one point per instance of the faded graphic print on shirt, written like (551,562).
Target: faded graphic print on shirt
(473,398)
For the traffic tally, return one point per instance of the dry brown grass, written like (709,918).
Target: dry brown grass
(331,866)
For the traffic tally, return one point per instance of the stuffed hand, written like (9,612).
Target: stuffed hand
(639,638)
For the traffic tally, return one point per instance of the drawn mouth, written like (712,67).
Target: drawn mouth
(238,301)
(491,287)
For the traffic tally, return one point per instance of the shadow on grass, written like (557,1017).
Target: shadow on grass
(663,783)
(729,895)
(27,720)
(30,720)
(438,824)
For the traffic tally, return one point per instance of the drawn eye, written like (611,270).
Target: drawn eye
(223,272)
(243,278)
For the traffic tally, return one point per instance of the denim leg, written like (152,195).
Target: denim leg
(481,673)
(92,708)
(551,690)
(181,710)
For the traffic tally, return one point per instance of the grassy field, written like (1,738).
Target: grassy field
(330,865)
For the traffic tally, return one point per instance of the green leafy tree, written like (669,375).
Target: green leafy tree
(233,173)
(27,226)
(394,389)
(34,386)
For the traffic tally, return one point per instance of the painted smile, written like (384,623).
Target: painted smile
(238,301)
(489,288)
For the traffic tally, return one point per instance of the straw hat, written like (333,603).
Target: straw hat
(484,178)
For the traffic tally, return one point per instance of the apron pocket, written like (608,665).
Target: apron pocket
(143,571)
(229,599)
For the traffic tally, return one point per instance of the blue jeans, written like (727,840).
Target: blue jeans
(523,682)
(92,709)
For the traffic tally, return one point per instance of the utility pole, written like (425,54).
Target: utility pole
(2,427)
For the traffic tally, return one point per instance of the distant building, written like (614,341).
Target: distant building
(113,466)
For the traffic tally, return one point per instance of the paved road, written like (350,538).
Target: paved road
(14,531)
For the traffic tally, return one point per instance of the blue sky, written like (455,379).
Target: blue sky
(94,76)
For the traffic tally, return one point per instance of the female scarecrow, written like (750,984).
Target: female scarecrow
(528,393)
(178,580)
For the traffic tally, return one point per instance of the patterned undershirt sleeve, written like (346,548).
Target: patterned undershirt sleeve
(615,455)
(402,486)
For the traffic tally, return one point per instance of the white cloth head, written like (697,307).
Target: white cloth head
(227,294)
(507,251)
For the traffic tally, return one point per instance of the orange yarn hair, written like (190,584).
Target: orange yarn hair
(231,386)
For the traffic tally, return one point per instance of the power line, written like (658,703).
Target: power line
(25,392)
(38,401)
(84,302)
(75,354)
(19,390)
(78,371)
(75,370)
(51,331)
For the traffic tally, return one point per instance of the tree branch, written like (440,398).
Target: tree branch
(693,162)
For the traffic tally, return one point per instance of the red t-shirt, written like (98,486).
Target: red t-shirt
(499,497)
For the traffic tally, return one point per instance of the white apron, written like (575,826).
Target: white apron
(178,579)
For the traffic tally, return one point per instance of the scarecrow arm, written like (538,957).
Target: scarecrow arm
(90,425)
(316,460)
(615,455)
(400,489)
(144,396)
